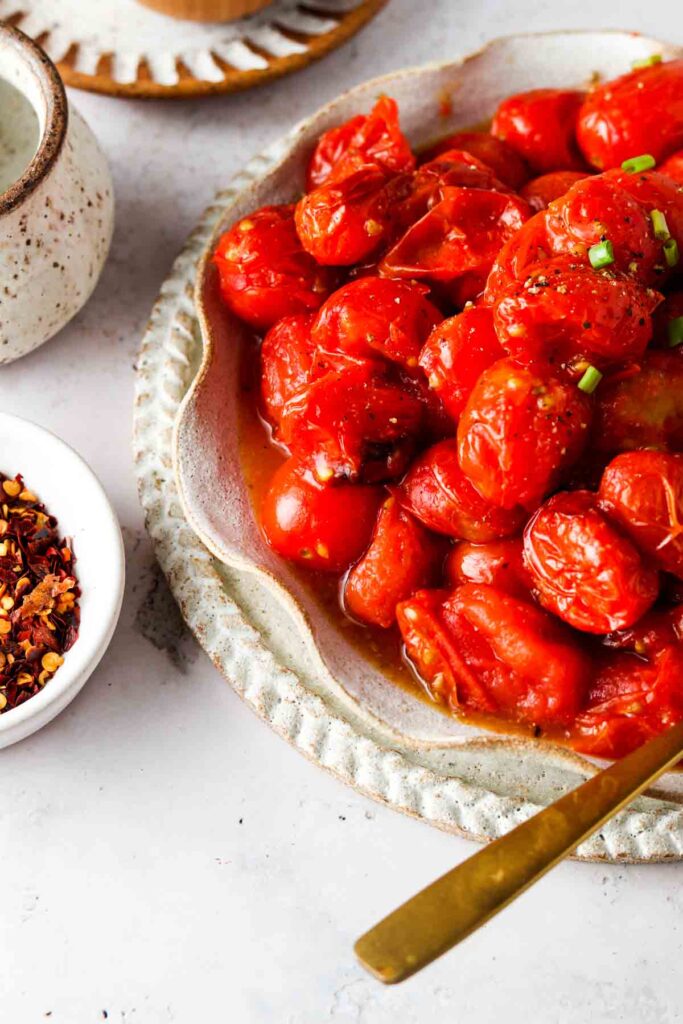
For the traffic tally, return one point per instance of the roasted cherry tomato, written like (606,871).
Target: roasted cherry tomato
(656,630)
(542,191)
(286,362)
(597,209)
(456,354)
(655,191)
(631,700)
(461,234)
(265,274)
(498,654)
(524,252)
(584,569)
(643,408)
(433,652)
(519,432)
(643,492)
(375,138)
(320,526)
(641,112)
(452,168)
(347,221)
(403,557)
(375,316)
(666,335)
(499,563)
(673,167)
(354,424)
(540,125)
(439,494)
(566,312)
(504,161)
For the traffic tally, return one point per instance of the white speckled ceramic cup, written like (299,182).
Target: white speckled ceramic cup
(56,200)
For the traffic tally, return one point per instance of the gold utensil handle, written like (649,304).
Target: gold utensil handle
(462,900)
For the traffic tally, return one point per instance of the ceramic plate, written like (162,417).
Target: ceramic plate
(264,631)
(121,48)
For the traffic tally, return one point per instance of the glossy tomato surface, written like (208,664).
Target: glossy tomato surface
(673,167)
(354,424)
(542,191)
(452,168)
(439,494)
(643,408)
(456,354)
(631,700)
(347,221)
(461,234)
(585,570)
(541,126)
(507,165)
(519,432)
(286,363)
(376,316)
(316,525)
(566,313)
(264,272)
(499,563)
(375,138)
(402,557)
(527,663)
(642,491)
(596,209)
(641,112)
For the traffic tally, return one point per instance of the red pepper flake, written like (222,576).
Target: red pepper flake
(39,610)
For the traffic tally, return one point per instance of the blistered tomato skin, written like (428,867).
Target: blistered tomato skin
(642,408)
(519,432)
(596,209)
(375,316)
(459,235)
(375,138)
(567,313)
(641,112)
(402,557)
(673,167)
(499,563)
(526,663)
(504,161)
(347,221)
(264,272)
(438,493)
(642,492)
(655,191)
(584,569)
(540,125)
(456,354)
(631,700)
(286,361)
(432,651)
(525,252)
(354,424)
(317,526)
(452,168)
(542,191)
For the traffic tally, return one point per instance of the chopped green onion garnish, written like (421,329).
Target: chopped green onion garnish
(671,252)
(590,380)
(647,62)
(601,254)
(675,330)
(661,228)
(639,163)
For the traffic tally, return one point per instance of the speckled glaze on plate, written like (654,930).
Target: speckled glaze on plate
(267,637)
(121,48)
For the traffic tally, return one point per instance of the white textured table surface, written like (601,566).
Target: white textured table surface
(163,856)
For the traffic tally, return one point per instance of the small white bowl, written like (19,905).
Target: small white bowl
(73,494)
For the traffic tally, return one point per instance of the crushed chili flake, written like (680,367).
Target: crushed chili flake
(39,610)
